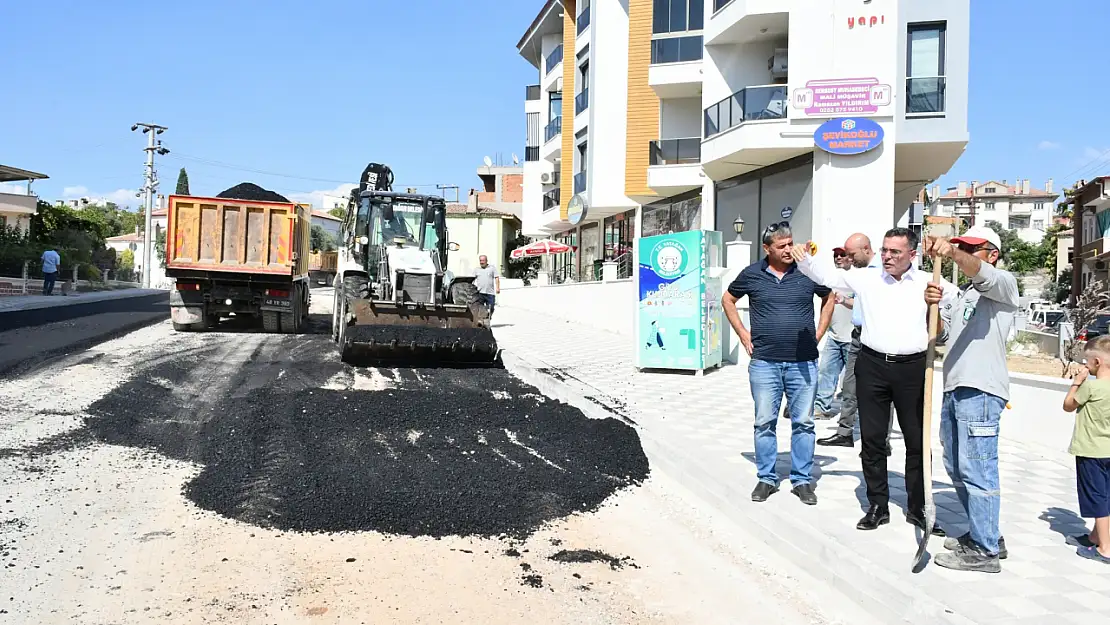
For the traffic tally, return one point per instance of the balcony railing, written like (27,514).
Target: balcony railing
(675,151)
(551,199)
(676,49)
(925,95)
(555,58)
(579,182)
(582,101)
(532,93)
(553,129)
(584,19)
(531,153)
(748,104)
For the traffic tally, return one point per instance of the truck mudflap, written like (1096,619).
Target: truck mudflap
(185,312)
(414,334)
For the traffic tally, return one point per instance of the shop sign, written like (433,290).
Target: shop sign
(787,212)
(848,96)
(849,135)
(866,21)
(576,209)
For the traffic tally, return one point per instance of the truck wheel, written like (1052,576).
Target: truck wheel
(270,321)
(182,327)
(464,293)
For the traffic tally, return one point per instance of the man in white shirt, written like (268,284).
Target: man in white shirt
(891,364)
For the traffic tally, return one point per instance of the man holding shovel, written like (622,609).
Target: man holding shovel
(976,389)
(891,365)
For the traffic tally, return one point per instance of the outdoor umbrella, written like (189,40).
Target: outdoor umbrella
(540,248)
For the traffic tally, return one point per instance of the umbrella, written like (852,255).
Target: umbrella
(540,248)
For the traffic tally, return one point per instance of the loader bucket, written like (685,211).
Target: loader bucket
(408,334)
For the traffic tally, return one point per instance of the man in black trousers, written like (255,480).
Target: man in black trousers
(890,367)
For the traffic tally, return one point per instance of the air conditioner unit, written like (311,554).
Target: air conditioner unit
(777,64)
(547,177)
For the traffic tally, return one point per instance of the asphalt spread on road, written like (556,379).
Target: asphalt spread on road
(331,448)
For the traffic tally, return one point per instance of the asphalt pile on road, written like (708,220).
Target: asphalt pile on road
(422,346)
(424,452)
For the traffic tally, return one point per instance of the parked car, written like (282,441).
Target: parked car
(1046,319)
(1099,327)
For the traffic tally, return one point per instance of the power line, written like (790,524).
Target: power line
(224,165)
(1086,166)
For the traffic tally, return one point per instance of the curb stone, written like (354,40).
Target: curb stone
(880,594)
(27,365)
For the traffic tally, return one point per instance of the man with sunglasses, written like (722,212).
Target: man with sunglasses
(834,355)
(976,389)
(782,344)
(890,368)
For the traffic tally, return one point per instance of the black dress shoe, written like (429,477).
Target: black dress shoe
(762,491)
(876,516)
(805,493)
(918,520)
(837,440)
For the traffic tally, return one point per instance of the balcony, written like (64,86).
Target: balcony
(675,151)
(746,21)
(580,182)
(531,153)
(532,93)
(552,130)
(551,199)
(584,19)
(1023,208)
(676,49)
(555,58)
(582,101)
(762,103)
(925,95)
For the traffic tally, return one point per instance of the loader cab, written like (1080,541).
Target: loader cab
(389,219)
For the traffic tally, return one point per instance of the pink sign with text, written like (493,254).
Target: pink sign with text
(836,97)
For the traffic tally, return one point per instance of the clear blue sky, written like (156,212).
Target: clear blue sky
(428,86)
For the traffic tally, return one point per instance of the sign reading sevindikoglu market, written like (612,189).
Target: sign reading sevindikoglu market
(849,135)
(846,96)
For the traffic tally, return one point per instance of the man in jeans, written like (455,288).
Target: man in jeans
(976,389)
(50,262)
(488,283)
(782,344)
(834,354)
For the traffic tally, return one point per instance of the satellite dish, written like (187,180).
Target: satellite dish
(487,161)
(516,159)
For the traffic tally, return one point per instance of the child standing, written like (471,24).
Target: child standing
(1090,444)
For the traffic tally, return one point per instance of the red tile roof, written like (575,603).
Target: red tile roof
(463,209)
(325,215)
(126,237)
(1003,191)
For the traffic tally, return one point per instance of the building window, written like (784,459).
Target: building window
(1038,206)
(671,16)
(1038,224)
(925,68)
(677,214)
(990,190)
(676,49)
(555,105)
(988,206)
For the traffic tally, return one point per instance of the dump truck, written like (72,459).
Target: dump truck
(395,300)
(321,267)
(241,257)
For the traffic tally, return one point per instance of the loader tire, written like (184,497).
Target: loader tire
(356,287)
(182,327)
(464,293)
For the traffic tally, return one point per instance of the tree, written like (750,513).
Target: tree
(339,211)
(1090,302)
(1058,291)
(182,183)
(160,247)
(126,261)
(322,240)
(524,268)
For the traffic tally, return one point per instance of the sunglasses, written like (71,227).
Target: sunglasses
(776,226)
(840,254)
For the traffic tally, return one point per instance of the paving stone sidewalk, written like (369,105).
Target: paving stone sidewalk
(704,427)
(10,303)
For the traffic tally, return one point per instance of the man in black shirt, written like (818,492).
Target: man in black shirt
(782,344)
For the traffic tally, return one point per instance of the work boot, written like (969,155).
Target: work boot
(762,491)
(954,543)
(969,559)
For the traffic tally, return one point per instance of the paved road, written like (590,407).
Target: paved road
(35,341)
(22,312)
(240,477)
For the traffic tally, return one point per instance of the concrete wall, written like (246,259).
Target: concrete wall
(680,118)
(608,112)
(476,235)
(727,69)
(607,306)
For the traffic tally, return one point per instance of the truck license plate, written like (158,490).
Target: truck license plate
(282,303)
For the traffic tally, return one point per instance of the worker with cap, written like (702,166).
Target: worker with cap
(834,354)
(976,389)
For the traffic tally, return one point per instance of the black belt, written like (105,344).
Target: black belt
(893,357)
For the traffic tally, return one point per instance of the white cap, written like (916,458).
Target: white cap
(978,235)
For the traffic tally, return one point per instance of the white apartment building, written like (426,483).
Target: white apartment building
(1026,210)
(697,113)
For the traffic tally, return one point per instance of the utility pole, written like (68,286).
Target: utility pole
(150,185)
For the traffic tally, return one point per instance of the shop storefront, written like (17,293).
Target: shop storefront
(619,231)
(782,192)
(674,214)
(564,265)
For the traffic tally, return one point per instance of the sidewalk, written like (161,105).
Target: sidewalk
(699,430)
(11,303)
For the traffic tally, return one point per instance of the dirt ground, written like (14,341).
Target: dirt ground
(1039,365)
